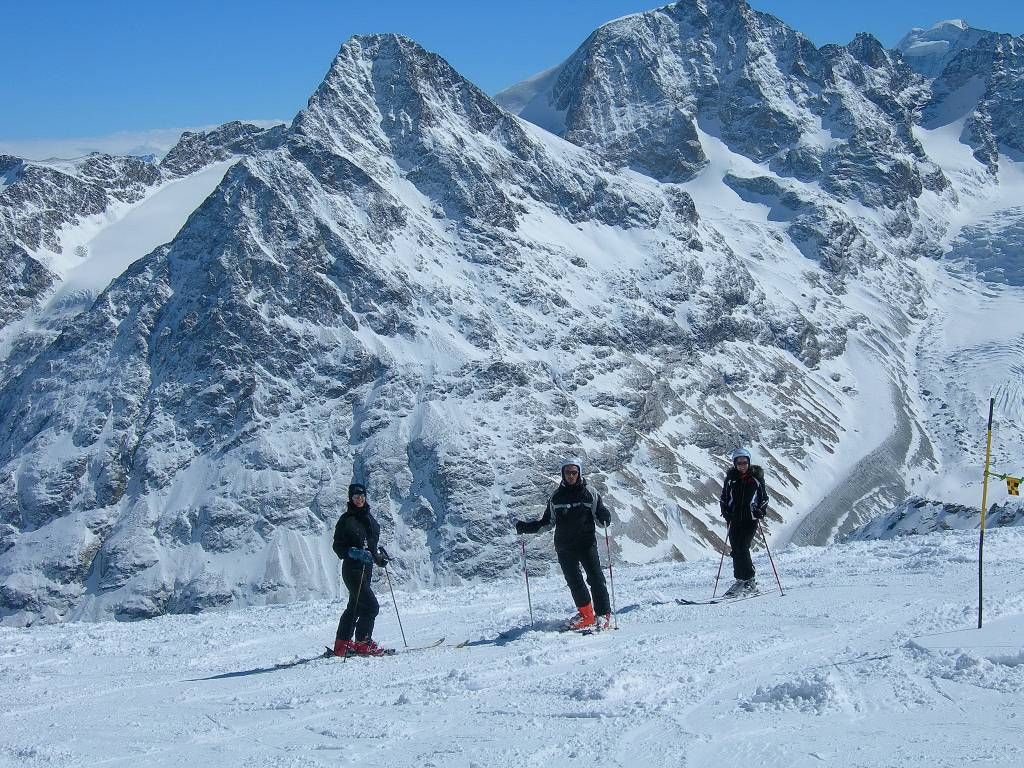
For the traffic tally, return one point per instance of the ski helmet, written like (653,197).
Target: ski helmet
(572,461)
(742,453)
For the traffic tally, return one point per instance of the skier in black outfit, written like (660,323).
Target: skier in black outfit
(744,503)
(356,539)
(573,510)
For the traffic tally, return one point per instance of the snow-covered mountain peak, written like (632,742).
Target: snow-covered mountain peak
(927,51)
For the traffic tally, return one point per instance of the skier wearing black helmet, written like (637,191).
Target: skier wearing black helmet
(744,503)
(574,510)
(356,539)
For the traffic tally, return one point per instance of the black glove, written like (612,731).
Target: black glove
(604,518)
(728,520)
(520,527)
(382,558)
(760,512)
(362,555)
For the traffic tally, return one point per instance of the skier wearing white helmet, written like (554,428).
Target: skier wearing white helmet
(574,510)
(743,503)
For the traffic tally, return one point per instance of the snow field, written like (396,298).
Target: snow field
(870,659)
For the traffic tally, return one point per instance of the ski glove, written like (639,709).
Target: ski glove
(760,512)
(382,558)
(520,527)
(604,518)
(363,555)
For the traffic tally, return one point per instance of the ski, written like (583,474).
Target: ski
(717,600)
(436,644)
(392,651)
(387,652)
(507,636)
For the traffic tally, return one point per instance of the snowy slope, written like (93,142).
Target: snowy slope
(135,232)
(871,659)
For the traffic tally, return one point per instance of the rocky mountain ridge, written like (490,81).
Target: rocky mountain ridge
(40,200)
(410,285)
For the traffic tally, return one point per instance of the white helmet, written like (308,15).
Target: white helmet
(742,453)
(572,461)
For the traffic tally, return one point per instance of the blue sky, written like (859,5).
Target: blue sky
(93,68)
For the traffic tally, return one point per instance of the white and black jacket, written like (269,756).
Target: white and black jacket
(744,498)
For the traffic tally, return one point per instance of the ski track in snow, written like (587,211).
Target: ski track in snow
(870,659)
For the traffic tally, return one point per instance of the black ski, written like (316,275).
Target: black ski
(723,599)
(503,638)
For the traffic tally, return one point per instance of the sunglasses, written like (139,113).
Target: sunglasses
(571,472)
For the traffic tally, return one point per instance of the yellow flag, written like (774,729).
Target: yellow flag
(1013,485)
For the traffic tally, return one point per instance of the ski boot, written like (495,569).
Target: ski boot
(584,619)
(738,588)
(342,648)
(369,648)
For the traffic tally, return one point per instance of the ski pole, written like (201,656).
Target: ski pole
(395,603)
(526,573)
(611,578)
(770,558)
(714,593)
(359,591)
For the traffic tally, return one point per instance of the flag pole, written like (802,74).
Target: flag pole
(984,504)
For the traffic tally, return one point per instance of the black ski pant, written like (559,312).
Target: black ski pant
(741,536)
(572,560)
(362,606)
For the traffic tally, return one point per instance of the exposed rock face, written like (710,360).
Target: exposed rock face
(985,83)
(39,199)
(918,516)
(22,279)
(639,88)
(823,231)
(196,150)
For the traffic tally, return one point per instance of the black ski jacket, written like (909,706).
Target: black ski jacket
(356,528)
(744,499)
(572,509)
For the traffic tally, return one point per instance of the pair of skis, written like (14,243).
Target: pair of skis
(329,652)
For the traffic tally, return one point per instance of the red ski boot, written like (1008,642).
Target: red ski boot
(585,619)
(369,648)
(342,648)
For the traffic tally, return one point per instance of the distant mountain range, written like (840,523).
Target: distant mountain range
(699,230)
